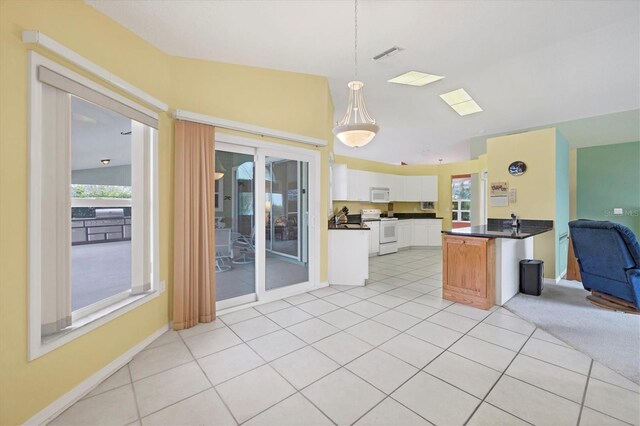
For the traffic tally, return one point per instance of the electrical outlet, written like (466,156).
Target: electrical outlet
(163,286)
(618,211)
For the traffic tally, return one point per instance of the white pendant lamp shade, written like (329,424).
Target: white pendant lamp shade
(356,135)
(357,128)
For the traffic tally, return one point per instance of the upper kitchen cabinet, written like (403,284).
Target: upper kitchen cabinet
(428,188)
(396,187)
(349,185)
(358,184)
(412,188)
(354,185)
(339,182)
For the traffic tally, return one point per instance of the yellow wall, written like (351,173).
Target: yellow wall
(536,188)
(285,101)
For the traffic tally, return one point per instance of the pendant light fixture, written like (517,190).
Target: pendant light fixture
(357,128)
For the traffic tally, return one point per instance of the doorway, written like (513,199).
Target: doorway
(461,201)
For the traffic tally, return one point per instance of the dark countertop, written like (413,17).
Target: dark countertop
(501,228)
(348,227)
(355,218)
(405,216)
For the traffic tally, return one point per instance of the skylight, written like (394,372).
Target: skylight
(461,102)
(415,78)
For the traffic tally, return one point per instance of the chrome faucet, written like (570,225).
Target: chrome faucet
(515,222)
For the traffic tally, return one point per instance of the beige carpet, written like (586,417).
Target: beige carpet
(612,338)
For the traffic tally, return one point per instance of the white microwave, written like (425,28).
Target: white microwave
(379,195)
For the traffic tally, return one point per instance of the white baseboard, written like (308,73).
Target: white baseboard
(555,280)
(65,401)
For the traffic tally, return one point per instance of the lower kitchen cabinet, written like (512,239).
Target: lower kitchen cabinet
(404,233)
(468,270)
(348,260)
(434,234)
(422,233)
(420,236)
(374,237)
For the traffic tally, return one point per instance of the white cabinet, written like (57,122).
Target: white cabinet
(434,232)
(419,237)
(428,188)
(355,185)
(396,187)
(412,188)
(425,232)
(374,237)
(358,185)
(339,182)
(378,180)
(404,233)
(348,260)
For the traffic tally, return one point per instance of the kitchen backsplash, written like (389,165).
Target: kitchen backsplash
(398,207)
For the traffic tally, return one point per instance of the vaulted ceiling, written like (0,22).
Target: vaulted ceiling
(526,63)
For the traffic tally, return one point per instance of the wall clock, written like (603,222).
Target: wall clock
(517,168)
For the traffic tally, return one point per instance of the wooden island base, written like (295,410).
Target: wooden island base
(468,270)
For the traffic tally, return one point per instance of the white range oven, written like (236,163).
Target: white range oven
(388,230)
(388,235)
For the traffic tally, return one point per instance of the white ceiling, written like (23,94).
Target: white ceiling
(527,63)
(95,135)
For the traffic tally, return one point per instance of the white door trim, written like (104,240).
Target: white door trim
(260,149)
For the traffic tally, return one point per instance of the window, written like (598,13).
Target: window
(93,229)
(461,199)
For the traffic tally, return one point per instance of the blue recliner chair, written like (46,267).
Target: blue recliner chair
(609,257)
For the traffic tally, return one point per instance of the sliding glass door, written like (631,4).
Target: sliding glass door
(286,222)
(235,226)
(263,233)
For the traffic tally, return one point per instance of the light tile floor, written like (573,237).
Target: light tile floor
(391,353)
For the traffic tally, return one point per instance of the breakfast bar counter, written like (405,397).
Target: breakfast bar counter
(481,263)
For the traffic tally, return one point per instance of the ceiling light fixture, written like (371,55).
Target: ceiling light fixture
(105,161)
(461,102)
(416,78)
(362,129)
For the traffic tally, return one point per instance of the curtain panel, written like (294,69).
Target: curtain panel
(194,295)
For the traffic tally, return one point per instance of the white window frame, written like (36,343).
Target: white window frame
(458,210)
(108,309)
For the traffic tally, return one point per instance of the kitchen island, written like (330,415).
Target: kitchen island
(481,263)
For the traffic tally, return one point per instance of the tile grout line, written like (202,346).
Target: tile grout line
(133,390)
(422,370)
(183,399)
(208,380)
(296,391)
(584,393)
(498,381)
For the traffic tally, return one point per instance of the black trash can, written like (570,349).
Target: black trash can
(531,275)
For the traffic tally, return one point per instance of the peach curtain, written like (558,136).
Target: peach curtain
(194,288)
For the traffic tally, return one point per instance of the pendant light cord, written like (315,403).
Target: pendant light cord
(355,49)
